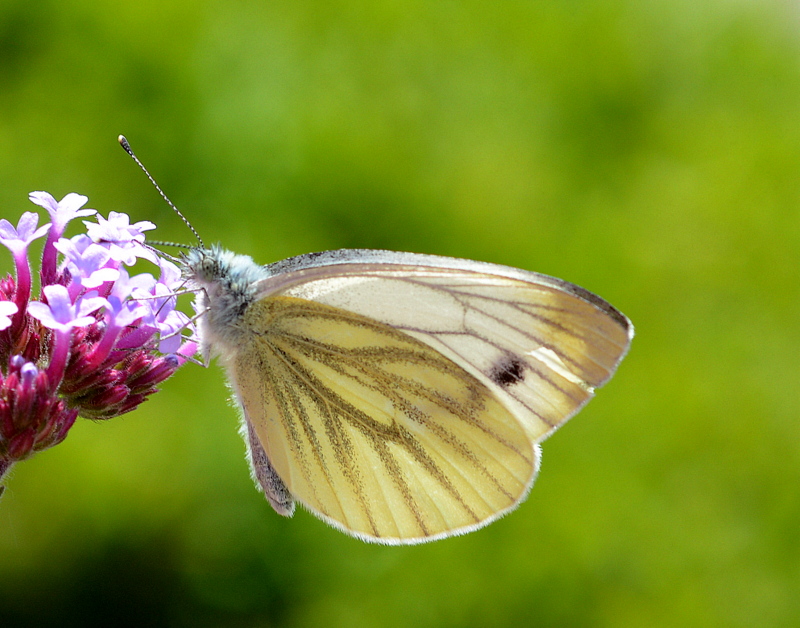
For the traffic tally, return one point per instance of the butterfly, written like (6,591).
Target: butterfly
(400,397)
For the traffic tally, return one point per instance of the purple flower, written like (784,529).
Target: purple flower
(97,342)
(88,262)
(170,274)
(123,239)
(7,309)
(60,313)
(122,309)
(160,300)
(117,228)
(61,212)
(169,327)
(18,240)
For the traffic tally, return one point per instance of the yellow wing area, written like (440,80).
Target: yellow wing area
(373,430)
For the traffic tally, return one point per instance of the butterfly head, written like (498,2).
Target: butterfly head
(228,284)
(217,267)
(202,266)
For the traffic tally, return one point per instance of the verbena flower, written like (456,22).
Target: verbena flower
(97,341)
(7,308)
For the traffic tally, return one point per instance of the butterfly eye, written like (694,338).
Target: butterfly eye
(208,267)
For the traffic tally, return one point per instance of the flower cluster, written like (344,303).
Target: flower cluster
(97,341)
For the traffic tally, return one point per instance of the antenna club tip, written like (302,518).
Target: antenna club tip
(124,143)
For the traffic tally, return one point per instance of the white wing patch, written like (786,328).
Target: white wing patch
(550,359)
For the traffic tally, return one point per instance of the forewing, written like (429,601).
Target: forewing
(373,430)
(541,345)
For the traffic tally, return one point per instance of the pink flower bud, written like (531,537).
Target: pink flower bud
(21,444)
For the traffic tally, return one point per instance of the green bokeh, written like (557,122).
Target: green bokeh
(648,151)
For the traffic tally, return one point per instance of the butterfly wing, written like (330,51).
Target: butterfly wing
(372,430)
(401,397)
(543,345)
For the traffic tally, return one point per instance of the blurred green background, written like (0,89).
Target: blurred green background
(647,150)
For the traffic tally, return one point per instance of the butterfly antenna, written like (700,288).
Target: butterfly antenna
(178,245)
(127,147)
(158,253)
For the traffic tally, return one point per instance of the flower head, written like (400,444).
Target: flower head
(98,340)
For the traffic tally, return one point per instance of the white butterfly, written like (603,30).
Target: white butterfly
(400,397)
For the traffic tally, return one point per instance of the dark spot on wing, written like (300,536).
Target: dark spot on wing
(507,370)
